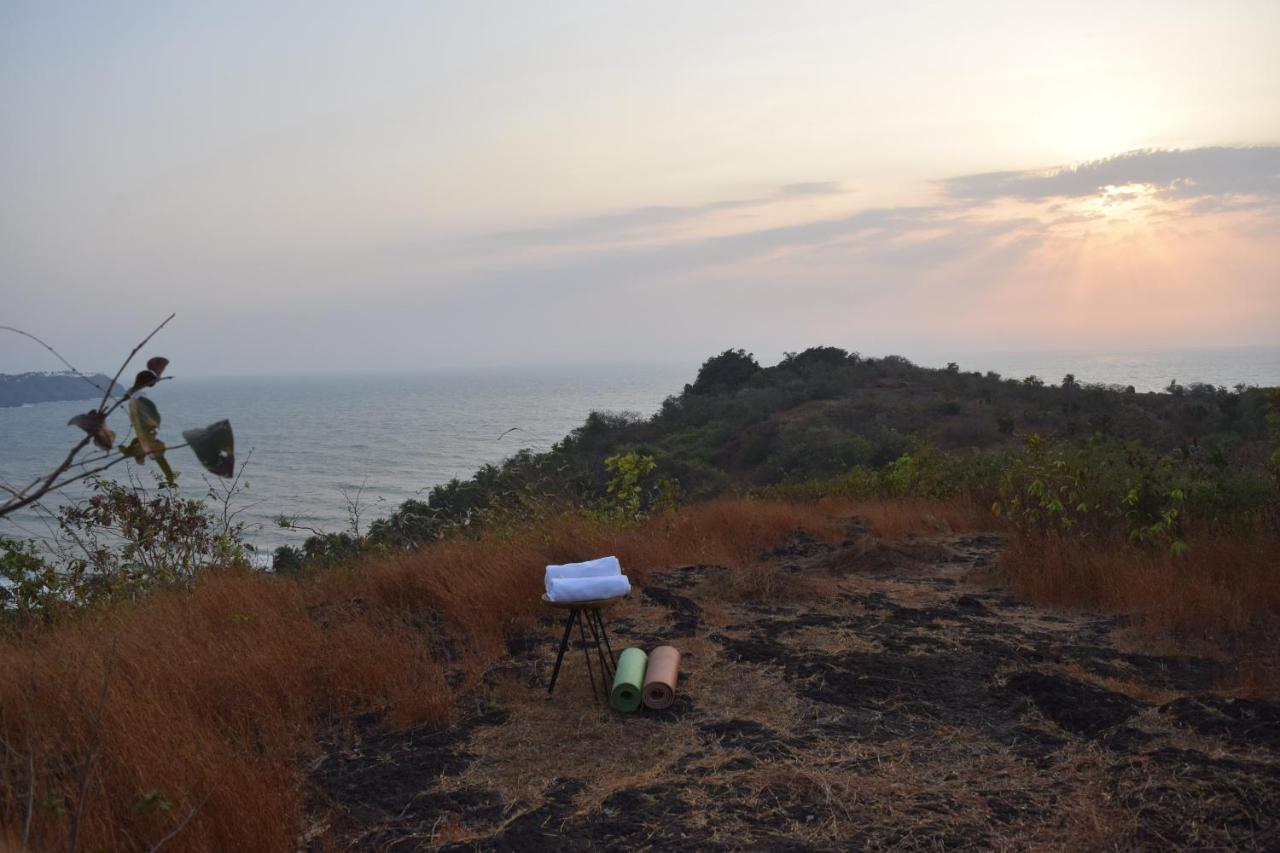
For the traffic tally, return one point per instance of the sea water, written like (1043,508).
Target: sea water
(395,435)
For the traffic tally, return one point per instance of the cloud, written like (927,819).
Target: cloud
(1221,173)
(812,188)
(796,263)
(638,221)
(888,245)
(1204,180)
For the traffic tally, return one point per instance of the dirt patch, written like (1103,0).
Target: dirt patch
(1243,721)
(902,706)
(1078,708)
(685,615)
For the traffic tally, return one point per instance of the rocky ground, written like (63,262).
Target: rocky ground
(866,695)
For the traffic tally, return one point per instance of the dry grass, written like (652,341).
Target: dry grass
(194,712)
(1222,595)
(893,519)
(120,726)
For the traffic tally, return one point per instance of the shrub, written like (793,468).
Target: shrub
(120,543)
(1093,488)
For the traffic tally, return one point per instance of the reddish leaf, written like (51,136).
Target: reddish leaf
(94,424)
(157,365)
(144,379)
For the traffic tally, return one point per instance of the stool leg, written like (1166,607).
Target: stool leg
(586,653)
(564,644)
(605,635)
(593,616)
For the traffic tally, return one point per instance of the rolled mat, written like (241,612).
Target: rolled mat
(660,678)
(627,681)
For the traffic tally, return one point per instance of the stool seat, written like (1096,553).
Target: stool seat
(570,605)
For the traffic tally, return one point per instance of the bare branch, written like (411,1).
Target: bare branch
(42,486)
(46,485)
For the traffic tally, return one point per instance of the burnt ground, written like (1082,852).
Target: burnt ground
(890,701)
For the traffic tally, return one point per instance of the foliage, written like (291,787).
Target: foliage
(633,491)
(119,543)
(627,471)
(31,587)
(816,357)
(725,373)
(1273,460)
(922,473)
(1095,488)
(826,421)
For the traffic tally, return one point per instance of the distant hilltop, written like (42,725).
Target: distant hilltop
(23,388)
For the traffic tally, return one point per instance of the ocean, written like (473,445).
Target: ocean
(397,434)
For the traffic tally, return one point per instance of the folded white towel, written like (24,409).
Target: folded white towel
(601,567)
(565,590)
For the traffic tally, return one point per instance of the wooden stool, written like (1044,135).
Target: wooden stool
(587,612)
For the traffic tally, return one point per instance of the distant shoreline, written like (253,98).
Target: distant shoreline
(24,389)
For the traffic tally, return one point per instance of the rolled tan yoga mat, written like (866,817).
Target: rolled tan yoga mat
(660,678)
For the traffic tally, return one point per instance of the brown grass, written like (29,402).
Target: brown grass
(893,519)
(194,711)
(1222,595)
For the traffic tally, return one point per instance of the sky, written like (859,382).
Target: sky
(337,186)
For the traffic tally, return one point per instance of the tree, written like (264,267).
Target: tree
(97,451)
(724,373)
(815,357)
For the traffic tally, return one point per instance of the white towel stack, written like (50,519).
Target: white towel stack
(589,581)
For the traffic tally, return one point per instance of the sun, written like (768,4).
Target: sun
(1131,203)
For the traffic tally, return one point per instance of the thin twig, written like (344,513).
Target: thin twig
(31,799)
(134,352)
(56,354)
(95,744)
(190,814)
(114,462)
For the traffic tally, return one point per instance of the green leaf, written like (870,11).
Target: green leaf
(215,447)
(169,474)
(146,420)
(152,800)
(134,451)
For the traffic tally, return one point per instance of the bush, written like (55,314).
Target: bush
(1096,488)
(120,543)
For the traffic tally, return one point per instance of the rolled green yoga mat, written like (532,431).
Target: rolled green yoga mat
(628,680)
